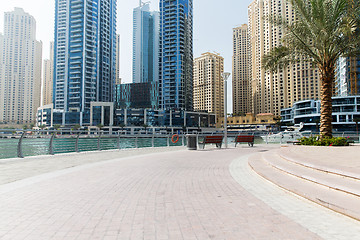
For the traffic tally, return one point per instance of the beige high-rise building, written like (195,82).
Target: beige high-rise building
(20,69)
(48,75)
(272,91)
(208,84)
(241,87)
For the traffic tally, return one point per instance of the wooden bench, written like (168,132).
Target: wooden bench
(295,142)
(217,139)
(245,138)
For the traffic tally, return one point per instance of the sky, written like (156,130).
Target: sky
(213,24)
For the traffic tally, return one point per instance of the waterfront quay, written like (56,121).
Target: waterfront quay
(169,193)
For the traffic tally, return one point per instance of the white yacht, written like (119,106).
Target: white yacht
(291,133)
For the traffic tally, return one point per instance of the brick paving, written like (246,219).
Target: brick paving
(165,195)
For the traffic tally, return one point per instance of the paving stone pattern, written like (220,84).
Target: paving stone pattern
(170,195)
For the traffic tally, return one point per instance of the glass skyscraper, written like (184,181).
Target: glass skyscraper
(176,54)
(347,76)
(146,26)
(84,57)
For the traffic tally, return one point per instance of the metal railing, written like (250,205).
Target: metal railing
(21,143)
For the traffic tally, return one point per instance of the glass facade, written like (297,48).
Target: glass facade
(145,44)
(347,76)
(84,57)
(176,54)
(162,118)
(137,95)
(345,111)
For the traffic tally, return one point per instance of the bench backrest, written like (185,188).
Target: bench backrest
(213,139)
(244,138)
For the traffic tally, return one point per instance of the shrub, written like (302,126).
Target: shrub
(316,141)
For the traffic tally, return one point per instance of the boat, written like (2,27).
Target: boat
(292,133)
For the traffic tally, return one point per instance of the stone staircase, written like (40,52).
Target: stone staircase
(336,189)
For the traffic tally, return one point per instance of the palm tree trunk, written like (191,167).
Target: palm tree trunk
(327,79)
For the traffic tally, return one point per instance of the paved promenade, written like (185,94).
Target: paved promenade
(161,193)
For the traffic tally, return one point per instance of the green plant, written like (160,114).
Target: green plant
(99,126)
(76,127)
(325,141)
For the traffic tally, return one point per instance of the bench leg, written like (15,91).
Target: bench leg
(251,144)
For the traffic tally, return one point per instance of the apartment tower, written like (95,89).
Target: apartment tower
(176,54)
(85,58)
(241,71)
(20,69)
(208,84)
(117,65)
(48,76)
(272,91)
(146,30)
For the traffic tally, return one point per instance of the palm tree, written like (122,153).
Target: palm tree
(324,31)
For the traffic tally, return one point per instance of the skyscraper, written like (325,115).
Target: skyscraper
(241,71)
(145,44)
(48,76)
(347,76)
(272,91)
(208,84)
(20,69)
(117,78)
(85,59)
(176,54)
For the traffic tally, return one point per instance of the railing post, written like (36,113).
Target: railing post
(136,142)
(98,143)
(197,140)
(77,142)
(266,139)
(182,140)
(168,142)
(118,141)
(153,140)
(19,148)
(51,148)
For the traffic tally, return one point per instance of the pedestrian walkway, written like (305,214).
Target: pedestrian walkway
(169,194)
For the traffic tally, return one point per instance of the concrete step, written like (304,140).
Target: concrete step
(344,171)
(339,201)
(334,181)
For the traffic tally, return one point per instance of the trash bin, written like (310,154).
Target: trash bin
(191,141)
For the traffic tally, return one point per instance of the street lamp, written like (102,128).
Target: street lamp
(225,76)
